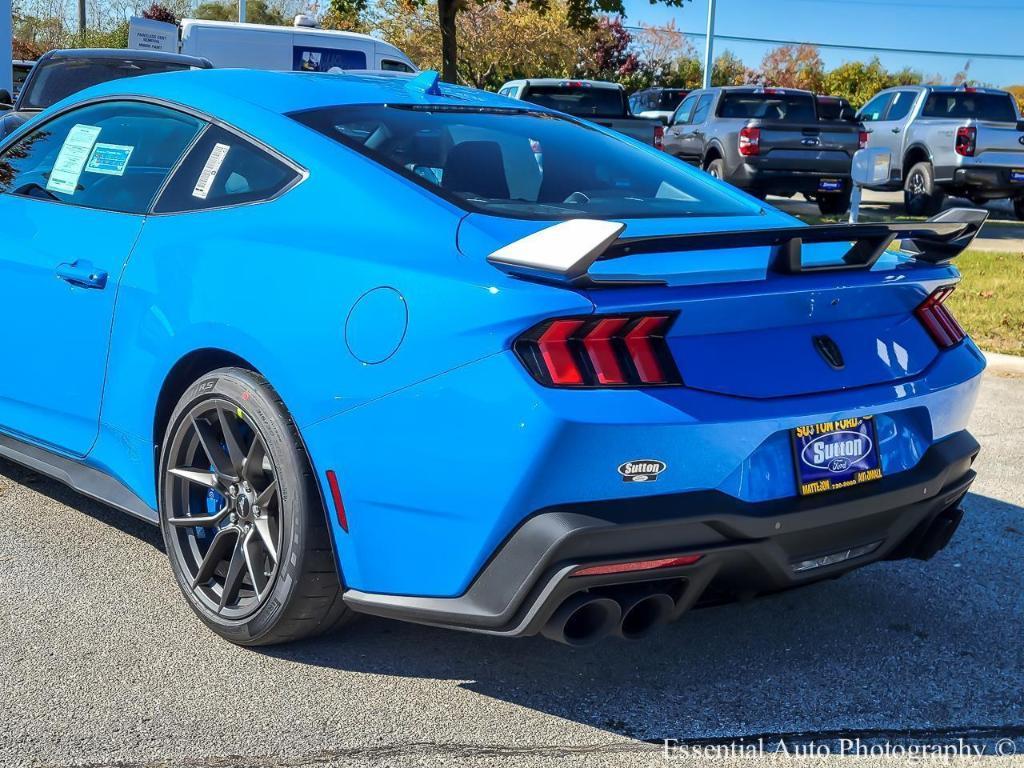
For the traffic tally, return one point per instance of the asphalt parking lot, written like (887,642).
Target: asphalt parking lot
(101,662)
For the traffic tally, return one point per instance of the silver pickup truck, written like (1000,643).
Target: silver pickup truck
(946,140)
(767,141)
(599,102)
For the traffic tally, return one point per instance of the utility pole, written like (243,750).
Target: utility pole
(81,21)
(241,10)
(709,45)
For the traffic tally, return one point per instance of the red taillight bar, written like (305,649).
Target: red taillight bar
(339,505)
(637,565)
(938,320)
(602,351)
(862,139)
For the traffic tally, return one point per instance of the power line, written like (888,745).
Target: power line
(838,47)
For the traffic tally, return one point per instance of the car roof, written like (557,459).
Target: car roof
(124,54)
(216,91)
(563,81)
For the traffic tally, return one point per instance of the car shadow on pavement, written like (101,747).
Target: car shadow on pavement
(904,647)
(61,493)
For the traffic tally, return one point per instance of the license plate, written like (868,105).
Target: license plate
(830,185)
(835,454)
(1016,177)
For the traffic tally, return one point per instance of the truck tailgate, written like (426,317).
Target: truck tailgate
(809,148)
(1000,144)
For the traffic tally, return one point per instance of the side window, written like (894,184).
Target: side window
(875,108)
(113,156)
(224,169)
(390,65)
(700,114)
(901,104)
(682,114)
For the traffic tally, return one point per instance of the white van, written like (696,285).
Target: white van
(302,47)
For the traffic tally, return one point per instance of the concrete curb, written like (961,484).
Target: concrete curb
(1005,365)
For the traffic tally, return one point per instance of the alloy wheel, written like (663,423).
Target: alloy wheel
(916,184)
(222,505)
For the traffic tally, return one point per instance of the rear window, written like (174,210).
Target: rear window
(668,100)
(783,108)
(580,99)
(59,78)
(964,105)
(835,109)
(523,164)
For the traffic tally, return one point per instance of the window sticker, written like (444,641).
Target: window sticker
(209,172)
(109,159)
(67,169)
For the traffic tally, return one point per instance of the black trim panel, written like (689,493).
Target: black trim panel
(81,477)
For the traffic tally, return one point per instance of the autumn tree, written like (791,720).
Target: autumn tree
(580,15)
(256,12)
(858,81)
(794,66)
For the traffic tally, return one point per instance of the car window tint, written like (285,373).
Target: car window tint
(224,169)
(780,107)
(966,104)
(113,156)
(901,104)
(700,114)
(390,65)
(58,78)
(521,163)
(875,108)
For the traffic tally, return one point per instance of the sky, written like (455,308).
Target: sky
(969,26)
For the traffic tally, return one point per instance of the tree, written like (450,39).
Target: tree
(158,12)
(256,12)
(794,66)
(858,81)
(580,15)
(729,69)
(608,55)
(1018,94)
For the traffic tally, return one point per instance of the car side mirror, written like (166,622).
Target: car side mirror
(5,98)
(871,167)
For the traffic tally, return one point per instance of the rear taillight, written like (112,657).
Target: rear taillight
(637,565)
(603,351)
(939,321)
(659,137)
(966,140)
(862,139)
(750,141)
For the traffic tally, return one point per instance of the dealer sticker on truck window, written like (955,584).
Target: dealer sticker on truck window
(836,454)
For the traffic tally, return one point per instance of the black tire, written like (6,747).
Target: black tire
(834,204)
(288,587)
(1018,207)
(716,168)
(921,196)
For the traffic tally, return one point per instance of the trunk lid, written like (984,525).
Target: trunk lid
(810,147)
(745,331)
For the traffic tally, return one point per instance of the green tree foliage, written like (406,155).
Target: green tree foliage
(858,81)
(256,12)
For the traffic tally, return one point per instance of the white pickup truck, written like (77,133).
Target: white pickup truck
(946,140)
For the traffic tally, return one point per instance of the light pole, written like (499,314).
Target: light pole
(241,10)
(709,44)
(6,65)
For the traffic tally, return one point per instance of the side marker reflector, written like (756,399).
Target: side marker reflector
(339,505)
(637,565)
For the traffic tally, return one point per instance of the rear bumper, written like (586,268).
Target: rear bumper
(747,547)
(988,181)
(771,180)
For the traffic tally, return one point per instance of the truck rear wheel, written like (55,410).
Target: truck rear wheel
(921,196)
(1018,207)
(834,204)
(716,168)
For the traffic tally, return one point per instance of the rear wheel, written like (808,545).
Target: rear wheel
(921,196)
(834,204)
(1018,207)
(716,168)
(241,515)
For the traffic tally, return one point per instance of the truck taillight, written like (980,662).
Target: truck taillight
(939,321)
(750,141)
(966,140)
(862,139)
(659,137)
(600,351)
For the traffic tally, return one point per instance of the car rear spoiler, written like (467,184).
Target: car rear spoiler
(564,253)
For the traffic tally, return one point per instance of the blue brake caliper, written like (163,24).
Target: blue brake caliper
(214,503)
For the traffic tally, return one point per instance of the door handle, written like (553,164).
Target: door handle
(83,274)
(896,129)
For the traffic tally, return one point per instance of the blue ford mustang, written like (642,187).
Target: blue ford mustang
(364,344)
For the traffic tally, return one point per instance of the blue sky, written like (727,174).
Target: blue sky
(989,26)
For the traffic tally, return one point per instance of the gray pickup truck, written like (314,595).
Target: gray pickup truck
(603,103)
(767,141)
(946,140)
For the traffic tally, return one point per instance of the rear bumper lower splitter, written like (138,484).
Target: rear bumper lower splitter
(747,548)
